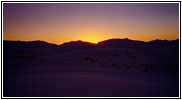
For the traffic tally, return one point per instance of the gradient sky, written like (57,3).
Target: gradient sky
(92,22)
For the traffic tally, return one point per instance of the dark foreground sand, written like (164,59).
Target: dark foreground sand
(74,75)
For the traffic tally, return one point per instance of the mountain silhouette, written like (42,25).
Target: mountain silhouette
(37,48)
(120,42)
(162,43)
(82,45)
(28,44)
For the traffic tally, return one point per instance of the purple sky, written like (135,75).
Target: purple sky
(93,22)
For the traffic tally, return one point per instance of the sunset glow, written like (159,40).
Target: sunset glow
(91,49)
(92,22)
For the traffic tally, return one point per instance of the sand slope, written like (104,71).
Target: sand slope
(100,72)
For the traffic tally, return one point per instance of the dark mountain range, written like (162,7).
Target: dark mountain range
(27,49)
(21,49)
(122,43)
(28,44)
(162,43)
(77,44)
(127,43)
(118,43)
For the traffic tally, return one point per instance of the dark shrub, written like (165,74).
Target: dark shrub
(146,70)
(86,59)
(127,54)
(128,67)
(92,61)
(116,54)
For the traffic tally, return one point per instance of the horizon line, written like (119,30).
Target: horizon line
(90,42)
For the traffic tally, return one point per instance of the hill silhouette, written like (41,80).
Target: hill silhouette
(106,43)
(27,44)
(37,48)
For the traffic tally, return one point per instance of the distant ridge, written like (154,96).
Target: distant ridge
(28,49)
(27,44)
(78,42)
(120,42)
(81,44)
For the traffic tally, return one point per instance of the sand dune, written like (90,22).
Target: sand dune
(92,72)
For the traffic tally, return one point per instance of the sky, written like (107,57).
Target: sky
(92,22)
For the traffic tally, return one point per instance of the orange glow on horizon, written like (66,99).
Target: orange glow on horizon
(63,22)
(94,39)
